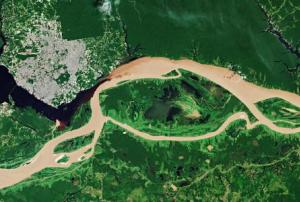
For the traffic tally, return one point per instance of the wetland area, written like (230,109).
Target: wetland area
(152,68)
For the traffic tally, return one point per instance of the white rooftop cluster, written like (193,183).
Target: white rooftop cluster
(52,57)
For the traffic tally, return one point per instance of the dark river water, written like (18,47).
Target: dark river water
(22,98)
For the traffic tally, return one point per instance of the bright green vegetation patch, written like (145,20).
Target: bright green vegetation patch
(80,19)
(206,30)
(22,134)
(283,113)
(64,159)
(190,105)
(238,165)
(63,78)
(24,57)
(172,73)
(74,144)
(81,117)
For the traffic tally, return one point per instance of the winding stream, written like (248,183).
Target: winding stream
(153,68)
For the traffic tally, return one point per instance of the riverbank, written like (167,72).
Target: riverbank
(151,68)
(22,98)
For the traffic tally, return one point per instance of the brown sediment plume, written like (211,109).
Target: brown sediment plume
(152,68)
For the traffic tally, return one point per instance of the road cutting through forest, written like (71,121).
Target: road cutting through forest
(151,68)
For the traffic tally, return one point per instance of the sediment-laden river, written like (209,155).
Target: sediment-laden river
(152,68)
